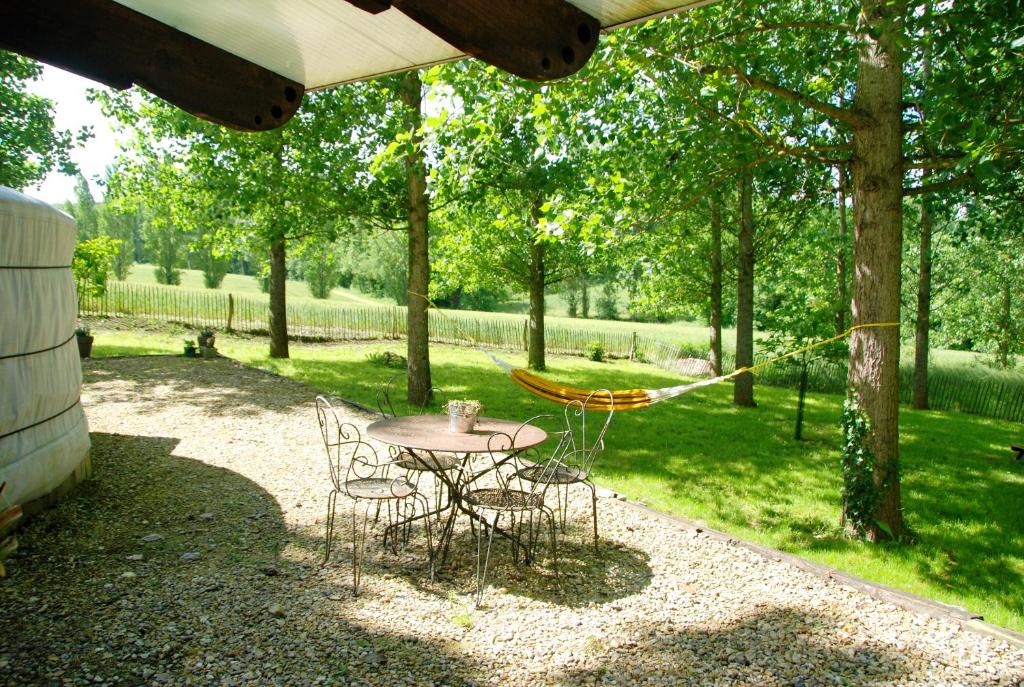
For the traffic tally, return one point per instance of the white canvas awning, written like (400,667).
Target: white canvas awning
(325,42)
(247,63)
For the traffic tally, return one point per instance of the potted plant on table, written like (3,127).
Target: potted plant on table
(85,338)
(190,348)
(462,415)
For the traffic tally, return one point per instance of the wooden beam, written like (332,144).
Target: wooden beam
(535,39)
(371,6)
(107,42)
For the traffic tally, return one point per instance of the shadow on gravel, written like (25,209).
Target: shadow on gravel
(218,386)
(770,647)
(615,571)
(166,570)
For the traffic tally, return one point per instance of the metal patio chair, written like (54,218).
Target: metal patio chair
(510,495)
(579,447)
(367,480)
(424,462)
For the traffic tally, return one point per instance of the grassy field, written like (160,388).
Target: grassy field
(298,294)
(242,285)
(740,470)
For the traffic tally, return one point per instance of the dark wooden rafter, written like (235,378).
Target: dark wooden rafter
(535,39)
(117,46)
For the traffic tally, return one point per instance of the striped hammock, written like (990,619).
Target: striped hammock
(631,399)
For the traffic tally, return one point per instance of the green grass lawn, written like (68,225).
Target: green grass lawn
(739,470)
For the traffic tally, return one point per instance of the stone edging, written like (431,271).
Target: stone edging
(971,622)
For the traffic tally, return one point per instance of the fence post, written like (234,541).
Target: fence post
(632,348)
(231,310)
(526,334)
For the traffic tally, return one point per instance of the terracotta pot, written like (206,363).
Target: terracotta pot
(85,346)
(207,341)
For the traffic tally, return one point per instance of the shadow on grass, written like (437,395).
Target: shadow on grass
(770,647)
(218,386)
(88,598)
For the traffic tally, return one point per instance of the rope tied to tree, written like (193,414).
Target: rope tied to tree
(630,399)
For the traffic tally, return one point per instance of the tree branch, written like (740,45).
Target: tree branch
(847,116)
(779,26)
(955,182)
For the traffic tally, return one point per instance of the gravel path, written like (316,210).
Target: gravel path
(192,559)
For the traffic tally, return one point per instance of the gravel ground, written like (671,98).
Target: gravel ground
(193,556)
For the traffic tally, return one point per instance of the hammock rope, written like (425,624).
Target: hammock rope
(632,399)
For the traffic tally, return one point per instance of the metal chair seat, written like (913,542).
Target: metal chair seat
(431,462)
(380,488)
(562,474)
(503,499)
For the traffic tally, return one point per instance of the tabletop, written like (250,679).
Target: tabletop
(430,433)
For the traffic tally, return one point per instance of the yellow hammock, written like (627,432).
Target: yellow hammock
(630,399)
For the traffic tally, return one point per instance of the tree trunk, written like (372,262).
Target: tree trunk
(278,312)
(877,169)
(1005,327)
(584,296)
(418,351)
(715,320)
(924,309)
(842,292)
(743,391)
(536,355)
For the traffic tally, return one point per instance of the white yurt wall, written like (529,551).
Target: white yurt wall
(44,439)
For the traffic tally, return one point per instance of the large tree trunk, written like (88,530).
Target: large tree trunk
(842,293)
(278,312)
(418,351)
(715,320)
(878,194)
(743,391)
(924,308)
(537,276)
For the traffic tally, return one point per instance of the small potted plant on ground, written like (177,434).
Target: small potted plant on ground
(190,348)
(207,337)
(462,415)
(85,339)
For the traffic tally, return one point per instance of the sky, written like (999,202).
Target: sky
(72,111)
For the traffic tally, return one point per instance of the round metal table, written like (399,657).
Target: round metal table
(430,433)
(419,434)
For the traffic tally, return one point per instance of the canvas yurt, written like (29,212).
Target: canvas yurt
(44,439)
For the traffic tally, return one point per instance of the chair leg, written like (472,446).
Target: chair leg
(481,572)
(427,527)
(554,541)
(358,546)
(593,501)
(563,505)
(332,501)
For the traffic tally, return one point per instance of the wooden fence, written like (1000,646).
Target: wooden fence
(949,389)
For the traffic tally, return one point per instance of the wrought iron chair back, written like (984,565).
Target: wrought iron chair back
(582,443)
(383,398)
(347,454)
(508,472)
